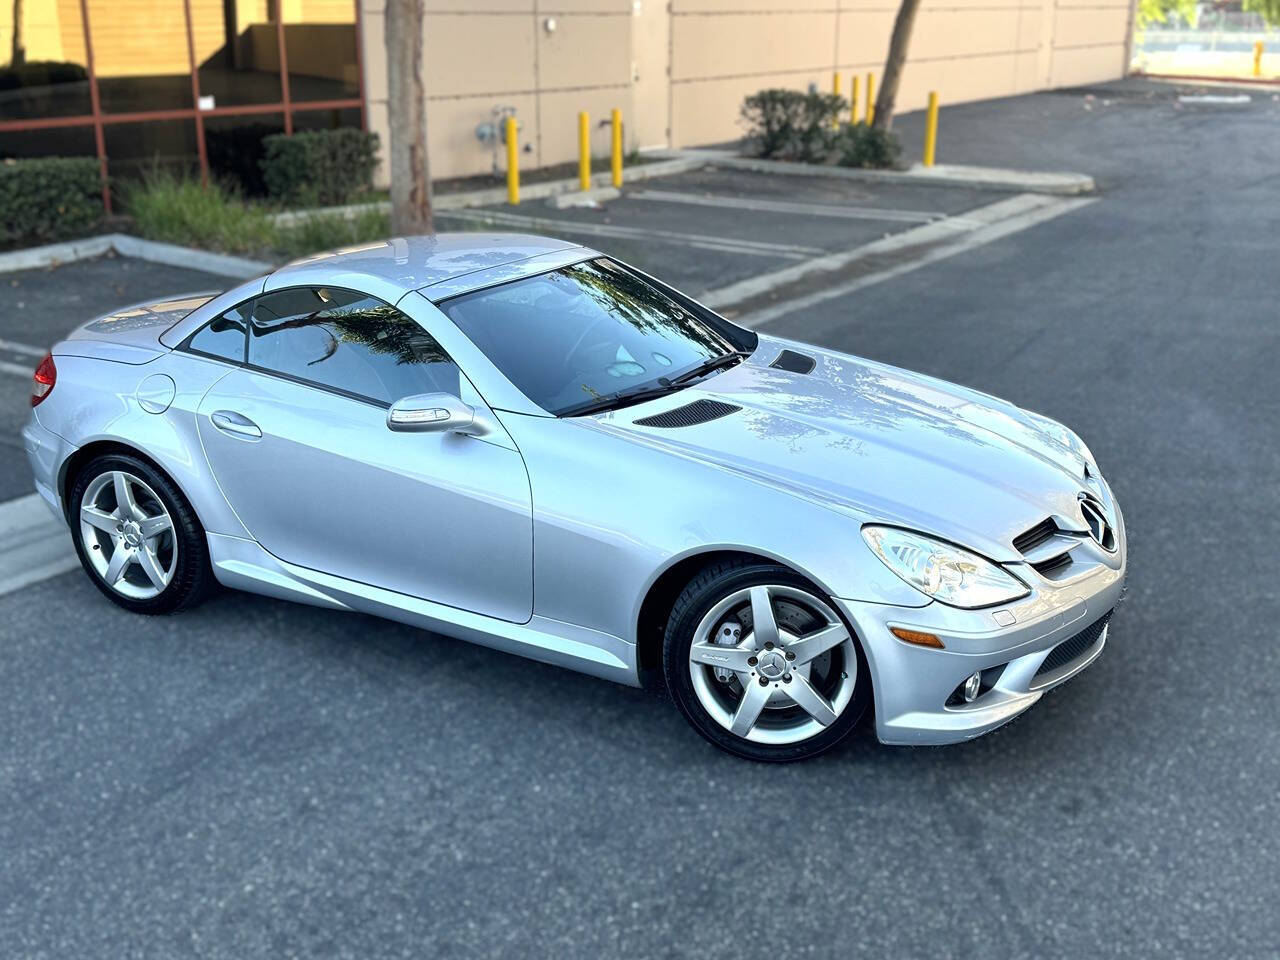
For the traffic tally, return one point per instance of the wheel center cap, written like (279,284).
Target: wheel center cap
(772,664)
(132,534)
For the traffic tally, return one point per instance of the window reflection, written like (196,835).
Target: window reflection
(320,43)
(223,337)
(136,150)
(235,150)
(43,69)
(327,119)
(140,54)
(58,142)
(585,332)
(350,342)
(237,52)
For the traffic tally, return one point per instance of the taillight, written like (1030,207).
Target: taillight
(43,379)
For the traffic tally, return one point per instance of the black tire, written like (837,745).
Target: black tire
(708,588)
(192,576)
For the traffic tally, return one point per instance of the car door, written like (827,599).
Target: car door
(297,439)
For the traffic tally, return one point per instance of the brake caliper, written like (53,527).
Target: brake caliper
(728,634)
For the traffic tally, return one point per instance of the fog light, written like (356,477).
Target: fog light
(971,687)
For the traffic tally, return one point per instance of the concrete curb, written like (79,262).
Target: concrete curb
(530,191)
(583,198)
(51,255)
(941,175)
(36,258)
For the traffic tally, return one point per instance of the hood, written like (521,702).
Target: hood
(130,334)
(879,443)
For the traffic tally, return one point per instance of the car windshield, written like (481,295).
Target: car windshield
(593,335)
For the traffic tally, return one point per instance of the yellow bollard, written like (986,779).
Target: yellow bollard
(931,129)
(835,88)
(1257,58)
(584,151)
(615,152)
(513,163)
(871,97)
(853,98)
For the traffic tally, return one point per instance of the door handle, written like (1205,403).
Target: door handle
(237,424)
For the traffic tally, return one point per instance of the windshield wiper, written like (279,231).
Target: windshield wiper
(623,398)
(715,363)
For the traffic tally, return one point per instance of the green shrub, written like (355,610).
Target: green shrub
(326,231)
(790,125)
(319,167)
(858,145)
(48,198)
(180,210)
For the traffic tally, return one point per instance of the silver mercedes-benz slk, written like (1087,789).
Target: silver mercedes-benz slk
(527,444)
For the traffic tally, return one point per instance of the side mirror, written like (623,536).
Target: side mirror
(435,413)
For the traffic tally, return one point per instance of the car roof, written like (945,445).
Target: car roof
(440,265)
(391,268)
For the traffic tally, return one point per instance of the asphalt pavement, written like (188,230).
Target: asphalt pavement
(254,778)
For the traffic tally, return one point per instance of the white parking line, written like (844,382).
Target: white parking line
(26,348)
(786,206)
(988,224)
(34,545)
(756,248)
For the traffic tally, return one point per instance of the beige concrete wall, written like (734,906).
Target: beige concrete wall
(686,65)
(482,54)
(722,50)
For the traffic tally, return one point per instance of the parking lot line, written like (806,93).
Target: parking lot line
(983,227)
(19,359)
(33,544)
(17,369)
(757,248)
(25,348)
(787,206)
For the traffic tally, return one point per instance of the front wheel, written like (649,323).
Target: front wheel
(761,665)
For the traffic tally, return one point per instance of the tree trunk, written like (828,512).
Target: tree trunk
(898,43)
(407,117)
(18,52)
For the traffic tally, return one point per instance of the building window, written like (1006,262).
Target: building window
(183,85)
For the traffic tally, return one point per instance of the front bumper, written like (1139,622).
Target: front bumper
(913,684)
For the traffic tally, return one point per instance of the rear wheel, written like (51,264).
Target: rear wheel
(137,537)
(762,665)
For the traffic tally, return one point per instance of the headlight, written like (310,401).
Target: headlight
(942,571)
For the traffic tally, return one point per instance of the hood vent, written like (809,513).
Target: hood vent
(1028,540)
(794,362)
(700,411)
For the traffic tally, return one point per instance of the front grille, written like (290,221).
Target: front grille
(1037,535)
(1072,649)
(700,411)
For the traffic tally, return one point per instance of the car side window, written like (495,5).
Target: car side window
(224,336)
(348,342)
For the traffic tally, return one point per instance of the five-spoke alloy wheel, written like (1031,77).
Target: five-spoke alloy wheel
(137,536)
(762,665)
(129,533)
